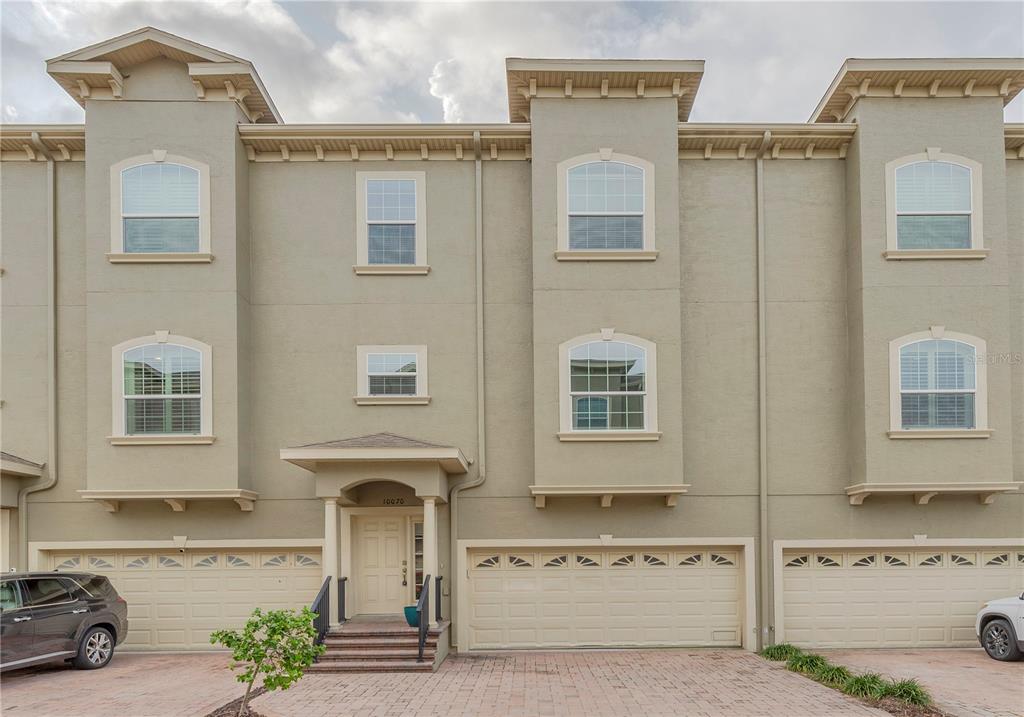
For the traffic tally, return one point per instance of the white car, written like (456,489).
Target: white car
(1000,628)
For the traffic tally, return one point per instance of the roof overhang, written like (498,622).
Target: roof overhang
(919,77)
(527,78)
(177,499)
(670,492)
(924,492)
(96,71)
(450,459)
(20,469)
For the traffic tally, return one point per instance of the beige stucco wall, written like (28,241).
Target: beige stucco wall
(284,312)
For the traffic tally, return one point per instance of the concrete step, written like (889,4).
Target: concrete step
(372,666)
(367,655)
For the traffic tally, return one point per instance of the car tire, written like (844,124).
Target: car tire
(999,641)
(94,649)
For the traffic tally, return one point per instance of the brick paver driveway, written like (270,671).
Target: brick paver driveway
(132,685)
(618,683)
(963,682)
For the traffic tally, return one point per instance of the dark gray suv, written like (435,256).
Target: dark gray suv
(59,616)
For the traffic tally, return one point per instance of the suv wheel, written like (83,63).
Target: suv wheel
(95,649)
(999,641)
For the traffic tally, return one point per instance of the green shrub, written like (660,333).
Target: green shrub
(909,691)
(781,652)
(832,675)
(277,646)
(806,663)
(868,685)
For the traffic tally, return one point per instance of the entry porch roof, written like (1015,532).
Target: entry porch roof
(377,447)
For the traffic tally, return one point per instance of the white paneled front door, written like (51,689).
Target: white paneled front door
(381,564)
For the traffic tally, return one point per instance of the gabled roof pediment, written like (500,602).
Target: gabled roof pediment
(97,71)
(376,447)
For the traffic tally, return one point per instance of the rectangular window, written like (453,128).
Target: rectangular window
(391,374)
(160,208)
(606,206)
(933,206)
(391,221)
(162,390)
(937,385)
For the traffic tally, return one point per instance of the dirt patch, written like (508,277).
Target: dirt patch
(231,708)
(902,709)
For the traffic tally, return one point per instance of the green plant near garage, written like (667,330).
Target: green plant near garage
(909,691)
(832,675)
(277,646)
(781,652)
(806,663)
(866,686)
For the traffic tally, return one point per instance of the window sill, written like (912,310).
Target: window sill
(391,400)
(160,258)
(391,269)
(161,440)
(966,433)
(606,255)
(607,436)
(905,254)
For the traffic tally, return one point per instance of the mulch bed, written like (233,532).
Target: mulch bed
(231,708)
(902,709)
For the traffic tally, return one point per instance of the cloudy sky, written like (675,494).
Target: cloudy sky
(433,62)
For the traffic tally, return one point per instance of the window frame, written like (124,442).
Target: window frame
(119,434)
(363,397)
(117,254)
(647,252)
(363,265)
(981,427)
(977,249)
(566,431)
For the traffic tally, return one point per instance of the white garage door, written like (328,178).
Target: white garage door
(571,598)
(175,600)
(893,598)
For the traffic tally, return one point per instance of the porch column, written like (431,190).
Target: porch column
(430,550)
(330,556)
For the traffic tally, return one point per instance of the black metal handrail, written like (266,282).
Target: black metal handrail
(341,599)
(321,608)
(423,615)
(437,597)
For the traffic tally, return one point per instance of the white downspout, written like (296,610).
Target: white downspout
(765,638)
(481,437)
(49,478)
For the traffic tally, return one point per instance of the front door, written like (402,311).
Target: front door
(382,565)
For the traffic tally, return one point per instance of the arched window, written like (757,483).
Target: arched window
(938,382)
(162,387)
(607,385)
(161,208)
(935,204)
(606,207)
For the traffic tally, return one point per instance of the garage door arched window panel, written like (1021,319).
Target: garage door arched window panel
(605,207)
(160,209)
(938,383)
(607,385)
(162,390)
(934,205)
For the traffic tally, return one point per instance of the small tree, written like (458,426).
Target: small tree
(277,644)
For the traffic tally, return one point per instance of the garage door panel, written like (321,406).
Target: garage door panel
(175,600)
(892,598)
(609,597)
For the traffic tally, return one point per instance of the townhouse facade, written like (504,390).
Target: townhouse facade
(597,376)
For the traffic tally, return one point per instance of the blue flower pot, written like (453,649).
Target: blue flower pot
(411,616)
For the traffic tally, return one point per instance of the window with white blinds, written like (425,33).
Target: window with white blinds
(606,206)
(163,390)
(160,208)
(391,221)
(933,205)
(391,374)
(938,384)
(608,386)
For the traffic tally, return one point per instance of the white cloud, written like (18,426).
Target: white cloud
(392,62)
